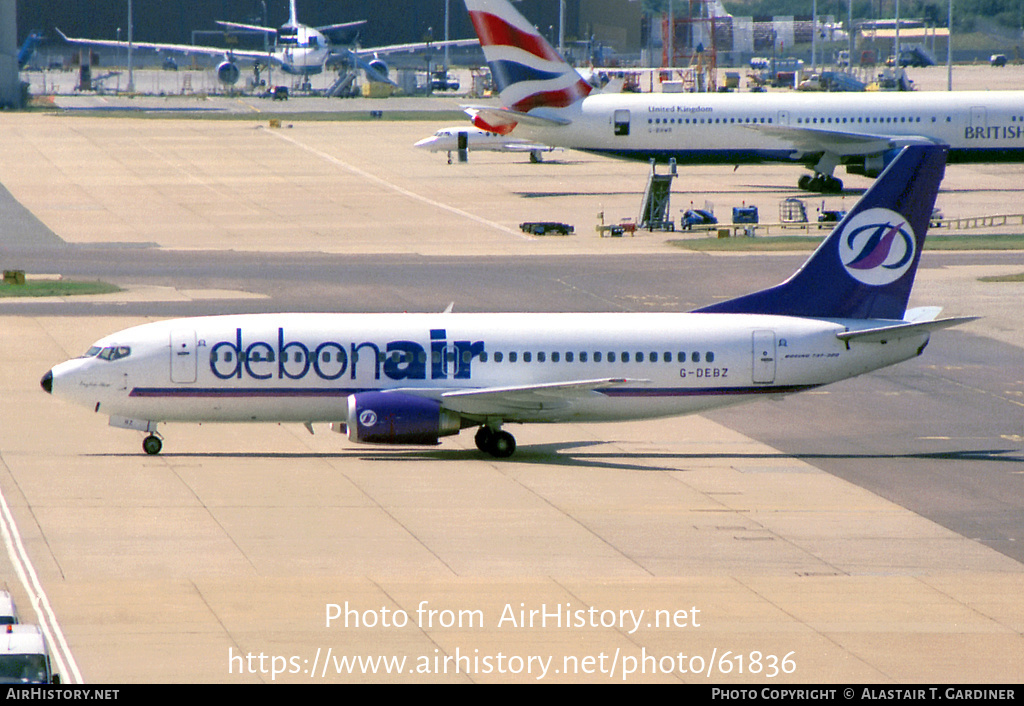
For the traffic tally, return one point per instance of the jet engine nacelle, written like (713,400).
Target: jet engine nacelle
(396,418)
(228,73)
(379,66)
(874,164)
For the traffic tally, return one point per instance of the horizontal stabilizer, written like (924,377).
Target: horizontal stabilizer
(887,333)
(922,313)
(250,28)
(340,26)
(504,116)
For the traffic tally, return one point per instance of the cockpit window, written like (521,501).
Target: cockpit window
(115,352)
(92,352)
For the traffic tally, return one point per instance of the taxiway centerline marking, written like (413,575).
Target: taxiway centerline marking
(398,189)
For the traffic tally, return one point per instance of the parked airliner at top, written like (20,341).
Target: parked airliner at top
(546,100)
(299,49)
(413,378)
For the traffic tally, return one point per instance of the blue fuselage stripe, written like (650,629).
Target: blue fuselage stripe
(253,392)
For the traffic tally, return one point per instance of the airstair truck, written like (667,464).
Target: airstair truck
(24,658)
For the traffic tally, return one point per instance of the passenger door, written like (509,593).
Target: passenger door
(764,357)
(620,123)
(183,356)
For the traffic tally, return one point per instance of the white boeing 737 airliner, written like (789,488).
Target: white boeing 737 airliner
(413,378)
(546,100)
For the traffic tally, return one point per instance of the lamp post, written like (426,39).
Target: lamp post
(949,48)
(131,74)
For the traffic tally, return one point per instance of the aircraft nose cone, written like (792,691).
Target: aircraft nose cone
(47,381)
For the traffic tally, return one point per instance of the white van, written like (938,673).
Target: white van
(24,658)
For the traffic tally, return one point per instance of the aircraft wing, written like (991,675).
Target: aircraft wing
(519,399)
(526,398)
(356,55)
(182,48)
(371,73)
(416,46)
(844,144)
(527,147)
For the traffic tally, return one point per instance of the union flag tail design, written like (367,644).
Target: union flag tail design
(528,71)
(865,268)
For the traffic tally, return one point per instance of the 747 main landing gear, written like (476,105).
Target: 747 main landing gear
(820,183)
(495,442)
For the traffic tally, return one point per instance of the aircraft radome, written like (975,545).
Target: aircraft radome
(414,378)
(545,99)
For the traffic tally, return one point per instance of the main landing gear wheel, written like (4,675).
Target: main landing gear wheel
(820,183)
(499,444)
(152,445)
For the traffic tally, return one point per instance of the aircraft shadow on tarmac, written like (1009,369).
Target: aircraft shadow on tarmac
(577,454)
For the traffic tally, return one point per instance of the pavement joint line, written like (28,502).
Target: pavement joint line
(398,189)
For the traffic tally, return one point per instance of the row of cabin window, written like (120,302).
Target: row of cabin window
(599,356)
(706,121)
(500,357)
(799,121)
(844,121)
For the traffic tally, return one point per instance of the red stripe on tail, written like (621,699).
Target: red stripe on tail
(494,31)
(553,99)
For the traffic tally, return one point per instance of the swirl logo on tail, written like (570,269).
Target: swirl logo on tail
(877,246)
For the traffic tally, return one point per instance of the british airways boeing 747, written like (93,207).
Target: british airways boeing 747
(414,378)
(546,100)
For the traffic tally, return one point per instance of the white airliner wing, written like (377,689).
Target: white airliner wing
(844,144)
(359,55)
(512,400)
(527,147)
(183,48)
(526,398)
(416,46)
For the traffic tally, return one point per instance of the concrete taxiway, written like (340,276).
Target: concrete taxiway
(221,559)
